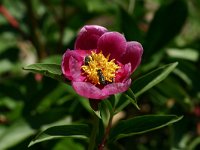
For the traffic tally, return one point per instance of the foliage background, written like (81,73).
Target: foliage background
(41,31)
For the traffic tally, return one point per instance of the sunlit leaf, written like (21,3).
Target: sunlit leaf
(49,70)
(187,54)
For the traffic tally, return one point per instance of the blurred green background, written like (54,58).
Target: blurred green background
(41,31)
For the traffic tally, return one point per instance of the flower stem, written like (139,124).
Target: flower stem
(95,130)
(101,146)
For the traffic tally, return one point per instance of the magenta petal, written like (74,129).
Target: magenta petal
(115,88)
(88,90)
(75,69)
(76,54)
(88,37)
(123,73)
(132,55)
(112,43)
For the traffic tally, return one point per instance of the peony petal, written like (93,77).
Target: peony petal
(132,55)
(75,69)
(88,90)
(88,37)
(112,43)
(115,88)
(123,73)
(76,54)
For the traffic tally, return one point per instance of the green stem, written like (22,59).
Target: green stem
(101,146)
(95,130)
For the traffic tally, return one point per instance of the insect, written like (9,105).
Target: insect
(87,60)
(101,77)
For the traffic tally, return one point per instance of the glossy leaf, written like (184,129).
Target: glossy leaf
(141,124)
(80,131)
(49,70)
(149,80)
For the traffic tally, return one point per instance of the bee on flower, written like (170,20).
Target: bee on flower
(101,63)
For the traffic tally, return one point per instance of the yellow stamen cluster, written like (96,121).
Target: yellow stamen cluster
(99,61)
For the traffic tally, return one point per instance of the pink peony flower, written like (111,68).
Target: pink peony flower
(102,62)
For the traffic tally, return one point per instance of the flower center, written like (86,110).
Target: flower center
(99,69)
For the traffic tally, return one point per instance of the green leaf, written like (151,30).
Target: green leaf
(194,144)
(143,84)
(141,124)
(108,106)
(15,134)
(149,80)
(122,102)
(186,53)
(166,24)
(80,131)
(106,111)
(131,96)
(49,70)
